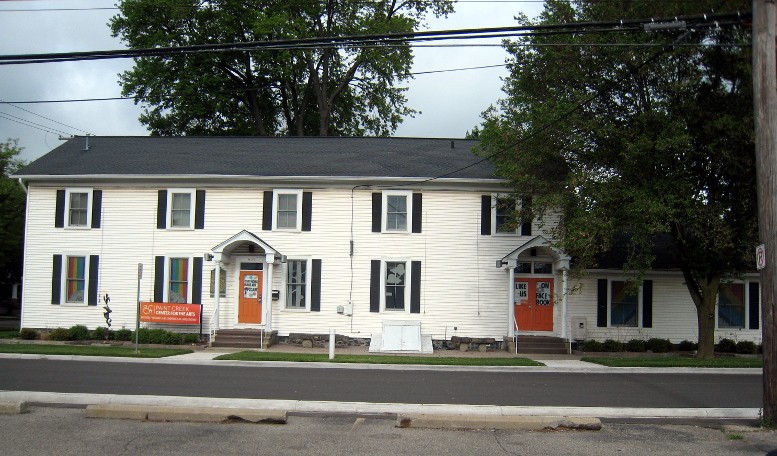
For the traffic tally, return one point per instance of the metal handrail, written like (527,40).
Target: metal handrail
(211,328)
(515,334)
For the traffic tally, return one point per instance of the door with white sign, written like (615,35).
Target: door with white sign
(533,305)
(250,302)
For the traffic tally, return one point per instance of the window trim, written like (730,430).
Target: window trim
(192,207)
(610,324)
(89,198)
(63,279)
(276,207)
(308,285)
(408,194)
(519,226)
(189,277)
(745,302)
(408,285)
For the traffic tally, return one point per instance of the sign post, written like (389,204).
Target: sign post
(137,313)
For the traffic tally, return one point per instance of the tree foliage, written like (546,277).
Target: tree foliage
(637,140)
(12,204)
(300,91)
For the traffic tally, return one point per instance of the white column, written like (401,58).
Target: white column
(216,296)
(564,302)
(267,293)
(510,301)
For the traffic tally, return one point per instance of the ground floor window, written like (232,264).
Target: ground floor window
(178,288)
(624,304)
(395,285)
(731,305)
(296,283)
(76,279)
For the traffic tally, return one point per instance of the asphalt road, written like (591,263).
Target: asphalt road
(387,386)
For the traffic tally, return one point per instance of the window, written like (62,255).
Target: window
(502,217)
(503,209)
(222,282)
(296,284)
(181,204)
(731,305)
(624,305)
(534,267)
(395,285)
(288,210)
(75,281)
(178,280)
(78,211)
(397,215)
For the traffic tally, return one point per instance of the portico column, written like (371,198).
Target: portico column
(564,302)
(216,295)
(267,304)
(510,301)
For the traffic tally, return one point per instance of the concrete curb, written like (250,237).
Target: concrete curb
(12,407)
(178,413)
(586,368)
(381,409)
(525,423)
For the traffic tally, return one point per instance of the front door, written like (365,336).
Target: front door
(534,304)
(250,305)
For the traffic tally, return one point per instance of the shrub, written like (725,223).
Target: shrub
(658,345)
(122,334)
(78,332)
(28,334)
(636,345)
(592,346)
(59,334)
(190,338)
(687,346)
(101,333)
(745,347)
(611,345)
(726,346)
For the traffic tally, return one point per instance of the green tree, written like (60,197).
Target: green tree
(302,91)
(635,140)
(12,204)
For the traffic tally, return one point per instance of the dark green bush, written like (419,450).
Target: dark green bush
(611,345)
(59,334)
(726,346)
(636,345)
(101,333)
(687,346)
(656,345)
(190,338)
(28,334)
(745,347)
(122,334)
(592,346)
(78,332)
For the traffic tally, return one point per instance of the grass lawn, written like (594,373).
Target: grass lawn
(673,361)
(377,359)
(90,350)
(9,333)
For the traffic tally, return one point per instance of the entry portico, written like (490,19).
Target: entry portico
(531,272)
(250,260)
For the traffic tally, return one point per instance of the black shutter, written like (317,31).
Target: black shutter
(755,305)
(307,211)
(97,207)
(59,212)
(647,303)
(161,210)
(377,212)
(415,287)
(485,215)
(526,229)
(56,279)
(94,276)
(315,287)
(199,210)
(417,211)
(159,278)
(601,303)
(197,281)
(375,285)
(267,211)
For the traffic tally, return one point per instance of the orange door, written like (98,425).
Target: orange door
(250,305)
(534,304)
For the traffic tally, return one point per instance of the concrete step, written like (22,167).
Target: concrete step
(542,345)
(243,338)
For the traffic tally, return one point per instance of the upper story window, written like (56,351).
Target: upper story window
(181,208)
(287,210)
(396,211)
(78,208)
(504,208)
(287,216)
(498,214)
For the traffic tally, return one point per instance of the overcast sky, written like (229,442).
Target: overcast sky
(450,103)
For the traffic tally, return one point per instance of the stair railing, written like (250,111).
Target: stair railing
(515,334)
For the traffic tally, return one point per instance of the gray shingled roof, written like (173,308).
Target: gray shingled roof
(262,156)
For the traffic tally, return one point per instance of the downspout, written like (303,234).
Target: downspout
(24,187)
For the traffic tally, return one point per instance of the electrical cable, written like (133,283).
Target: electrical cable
(43,117)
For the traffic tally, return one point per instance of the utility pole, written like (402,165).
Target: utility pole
(765,105)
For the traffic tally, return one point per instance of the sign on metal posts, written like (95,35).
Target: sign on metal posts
(137,313)
(760,257)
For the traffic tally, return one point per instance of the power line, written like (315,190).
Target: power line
(700,21)
(31,124)
(43,117)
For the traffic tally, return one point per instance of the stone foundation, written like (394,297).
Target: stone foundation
(321,340)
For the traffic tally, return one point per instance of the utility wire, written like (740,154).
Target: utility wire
(43,117)
(27,123)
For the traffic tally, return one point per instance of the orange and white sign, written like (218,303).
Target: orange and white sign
(171,313)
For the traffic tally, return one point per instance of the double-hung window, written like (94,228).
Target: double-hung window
(395,283)
(624,304)
(504,208)
(78,207)
(181,204)
(75,280)
(502,216)
(731,305)
(396,212)
(288,210)
(296,284)
(178,280)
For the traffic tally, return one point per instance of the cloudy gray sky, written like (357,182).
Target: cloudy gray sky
(450,103)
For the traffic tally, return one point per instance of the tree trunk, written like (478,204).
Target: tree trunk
(705,315)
